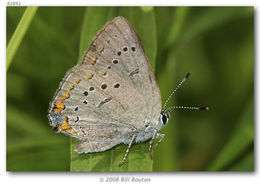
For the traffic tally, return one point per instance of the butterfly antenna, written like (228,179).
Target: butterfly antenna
(189,108)
(180,84)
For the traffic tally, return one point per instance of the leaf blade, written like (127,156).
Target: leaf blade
(19,33)
(241,139)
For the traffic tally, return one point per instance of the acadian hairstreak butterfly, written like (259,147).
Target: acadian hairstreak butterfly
(111,97)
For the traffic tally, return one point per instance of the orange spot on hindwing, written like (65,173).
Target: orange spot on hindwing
(65,95)
(94,61)
(71,87)
(77,81)
(90,76)
(70,130)
(59,106)
(64,125)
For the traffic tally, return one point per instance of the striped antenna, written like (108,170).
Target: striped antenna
(180,84)
(189,108)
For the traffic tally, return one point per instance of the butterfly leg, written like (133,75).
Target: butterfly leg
(161,136)
(151,144)
(127,151)
(156,135)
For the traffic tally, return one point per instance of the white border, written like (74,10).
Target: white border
(135,3)
(157,178)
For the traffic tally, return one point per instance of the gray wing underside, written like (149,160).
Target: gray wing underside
(115,111)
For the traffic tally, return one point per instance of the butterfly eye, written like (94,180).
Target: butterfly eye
(164,118)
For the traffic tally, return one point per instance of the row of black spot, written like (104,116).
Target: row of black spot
(103,86)
(125,50)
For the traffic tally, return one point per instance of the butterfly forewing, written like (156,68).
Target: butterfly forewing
(117,47)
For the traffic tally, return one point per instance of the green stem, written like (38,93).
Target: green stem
(19,34)
(179,19)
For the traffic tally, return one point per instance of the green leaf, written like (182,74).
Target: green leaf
(138,159)
(242,138)
(205,19)
(19,33)
(245,164)
(179,17)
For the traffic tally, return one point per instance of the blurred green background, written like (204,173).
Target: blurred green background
(216,44)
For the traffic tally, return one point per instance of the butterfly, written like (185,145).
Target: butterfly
(111,97)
